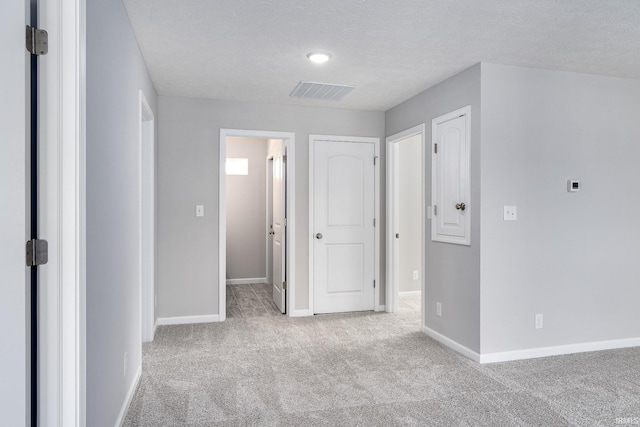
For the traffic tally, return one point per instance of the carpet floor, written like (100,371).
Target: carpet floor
(367,369)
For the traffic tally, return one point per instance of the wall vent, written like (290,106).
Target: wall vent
(326,91)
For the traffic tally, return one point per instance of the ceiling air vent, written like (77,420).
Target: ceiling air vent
(325,91)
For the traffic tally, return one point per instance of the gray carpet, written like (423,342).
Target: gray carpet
(367,369)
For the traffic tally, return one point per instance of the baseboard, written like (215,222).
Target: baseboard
(532,353)
(409,293)
(380,307)
(246,281)
(467,352)
(129,398)
(183,320)
(300,313)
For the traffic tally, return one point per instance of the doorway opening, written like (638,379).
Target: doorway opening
(256,223)
(406,221)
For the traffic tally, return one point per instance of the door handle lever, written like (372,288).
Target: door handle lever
(461,206)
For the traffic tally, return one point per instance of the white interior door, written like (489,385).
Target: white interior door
(451,197)
(343,226)
(13,225)
(279,231)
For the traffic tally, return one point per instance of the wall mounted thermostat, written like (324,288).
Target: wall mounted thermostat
(573,185)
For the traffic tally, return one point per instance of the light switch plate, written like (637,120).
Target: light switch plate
(199,210)
(510,213)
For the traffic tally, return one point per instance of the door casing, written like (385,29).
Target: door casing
(289,142)
(146,194)
(62,217)
(378,227)
(392,286)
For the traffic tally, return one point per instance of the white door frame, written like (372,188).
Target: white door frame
(268,216)
(376,193)
(62,391)
(289,144)
(146,217)
(392,177)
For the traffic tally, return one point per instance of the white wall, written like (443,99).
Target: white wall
(115,73)
(570,256)
(188,174)
(410,212)
(452,271)
(246,211)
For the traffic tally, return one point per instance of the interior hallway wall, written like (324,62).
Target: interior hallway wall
(246,211)
(452,272)
(189,132)
(410,215)
(115,73)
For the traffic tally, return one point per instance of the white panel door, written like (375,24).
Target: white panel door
(450,192)
(279,231)
(343,230)
(13,236)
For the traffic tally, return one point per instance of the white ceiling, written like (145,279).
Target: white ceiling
(255,50)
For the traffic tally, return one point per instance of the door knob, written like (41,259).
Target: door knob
(461,206)
(319,236)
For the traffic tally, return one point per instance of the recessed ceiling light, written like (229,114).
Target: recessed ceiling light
(318,57)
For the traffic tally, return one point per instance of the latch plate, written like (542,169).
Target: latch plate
(37,252)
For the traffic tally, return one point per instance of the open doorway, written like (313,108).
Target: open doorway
(406,221)
(256,223)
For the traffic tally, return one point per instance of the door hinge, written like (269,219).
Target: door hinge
(397,235)
(375,160)
(284,286)
(435,148)
(374,222)
(37,41)
(284,222)
(284,159)
(374,283)
(435,210)
(37,252)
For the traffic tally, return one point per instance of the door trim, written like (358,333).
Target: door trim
(376,194)
(62,393)
(289,143)
(391,284)
(146,184)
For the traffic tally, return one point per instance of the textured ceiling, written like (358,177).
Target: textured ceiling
(255,50)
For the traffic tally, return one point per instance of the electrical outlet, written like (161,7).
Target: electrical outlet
(415,274)
(439,309)
(125,363)
(510,213)
(539,320)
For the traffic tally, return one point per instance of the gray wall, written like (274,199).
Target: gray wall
(115,73)
(452,272)
(570,256)
(246,211)
(410,214)
(189,131)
